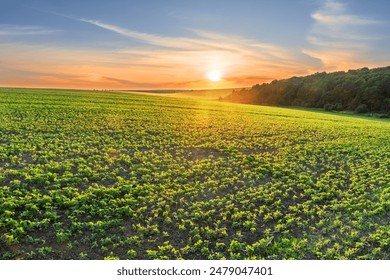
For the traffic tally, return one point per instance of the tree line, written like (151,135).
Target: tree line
(363,91)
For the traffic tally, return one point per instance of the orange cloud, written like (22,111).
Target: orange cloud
(167,62)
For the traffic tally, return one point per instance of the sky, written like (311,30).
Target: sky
(177,44)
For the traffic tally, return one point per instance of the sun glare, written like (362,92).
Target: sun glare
(214,75)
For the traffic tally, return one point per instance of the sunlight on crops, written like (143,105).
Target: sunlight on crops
(93,175)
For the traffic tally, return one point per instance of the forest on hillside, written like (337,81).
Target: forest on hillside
(363,91)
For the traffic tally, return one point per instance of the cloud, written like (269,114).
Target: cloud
(335,19)
(208,50)
(161,62)
(127,83)
(205,40)
(334,12)
(169,42)
(341,39)
(23,30)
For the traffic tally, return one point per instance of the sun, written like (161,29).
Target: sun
(214,75)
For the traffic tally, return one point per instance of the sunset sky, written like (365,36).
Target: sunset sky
(171,44)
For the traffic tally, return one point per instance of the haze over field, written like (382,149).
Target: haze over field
(185,44)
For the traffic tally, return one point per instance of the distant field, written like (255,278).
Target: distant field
(206,94)
(211,94)
(94,175)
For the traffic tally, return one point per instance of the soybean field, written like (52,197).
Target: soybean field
(114,175)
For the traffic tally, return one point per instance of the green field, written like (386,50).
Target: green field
(93,175)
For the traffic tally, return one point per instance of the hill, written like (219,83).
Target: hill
(364,90)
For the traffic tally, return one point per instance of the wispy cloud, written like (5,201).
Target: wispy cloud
(204,40)
(165,61)
(340,39)
(158,61)
(205,50)
(23,30)
(335,19)
(162,61)
(334,12)
(169,42)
